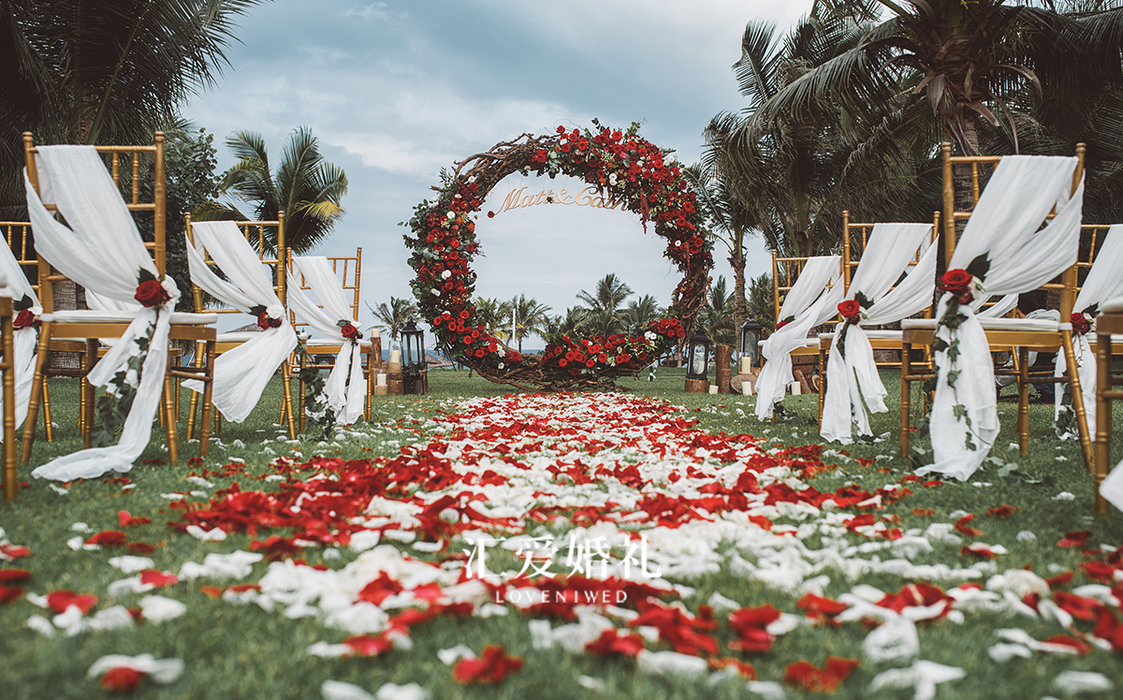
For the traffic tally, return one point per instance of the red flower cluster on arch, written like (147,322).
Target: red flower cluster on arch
(625,168)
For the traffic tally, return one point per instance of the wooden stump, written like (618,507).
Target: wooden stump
(723,373)
(697,386)
(396,382)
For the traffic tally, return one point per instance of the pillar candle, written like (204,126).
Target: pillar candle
(395,356)
(713,388)
(796,389)
(746,365)
(747,388)
(381,380)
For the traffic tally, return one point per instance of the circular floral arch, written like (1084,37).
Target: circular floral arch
(625,168)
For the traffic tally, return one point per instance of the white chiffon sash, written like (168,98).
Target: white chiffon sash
(1104,282)
(24,339)
(1005,225)
(102,251)
(809,302)
(345,388)
(852,373)
(242,373)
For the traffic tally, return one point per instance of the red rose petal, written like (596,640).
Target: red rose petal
(121,679)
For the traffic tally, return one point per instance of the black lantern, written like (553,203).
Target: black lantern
(750,341)
(413,350)
(698,357)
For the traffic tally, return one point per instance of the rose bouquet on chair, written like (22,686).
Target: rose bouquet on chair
(960,287)
(113,407)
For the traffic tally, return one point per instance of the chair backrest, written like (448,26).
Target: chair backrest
(136,157)
(1092,238)
(785,272)
(348,269)
(18,236)
(254,232)
(857,236)
(953,215)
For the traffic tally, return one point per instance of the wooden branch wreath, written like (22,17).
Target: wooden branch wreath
(624,168)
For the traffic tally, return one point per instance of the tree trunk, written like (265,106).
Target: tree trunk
(740,305)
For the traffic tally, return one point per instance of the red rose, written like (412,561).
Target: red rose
(265,323)
(850,310)
(24,319)
(957,281)
(349,332)
(151,293)
(781,324)
(1079,323)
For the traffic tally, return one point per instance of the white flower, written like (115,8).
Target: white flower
(612,178)
(678,244)
(275,311)
(650,335)
(436,292)
(446,274)
(451,215)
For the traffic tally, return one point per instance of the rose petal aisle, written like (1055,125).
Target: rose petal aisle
(567,545)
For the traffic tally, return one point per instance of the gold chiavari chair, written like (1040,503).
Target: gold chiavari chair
(1109,323)
(858,233)
(255,234)
(1001,334)
(89,327)
(348,268)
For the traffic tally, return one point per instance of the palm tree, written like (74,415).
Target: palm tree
(527,316)
(493,313)
(725,214)
(965,59)
(102,71)
(569,324)
(610,293)
(305,187)
(761,305)
(779,174)
(641,311)
(717,317)
(395,315)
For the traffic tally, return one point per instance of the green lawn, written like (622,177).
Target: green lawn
(245,652)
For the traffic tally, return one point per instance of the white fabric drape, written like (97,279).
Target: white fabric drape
(25,339)
(240,374)
(852,373)
(812,300)
(1005,226)
(1104,282)
(102,251)
(345,388)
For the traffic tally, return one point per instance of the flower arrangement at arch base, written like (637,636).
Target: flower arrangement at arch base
(624,168)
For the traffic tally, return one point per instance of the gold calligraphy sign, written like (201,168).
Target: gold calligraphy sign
(588,197)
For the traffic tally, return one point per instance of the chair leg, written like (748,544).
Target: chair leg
(286,403)
(1103,419)
(169,420)
(86,408)
(50,428)
(208,403)
(822,383)
(1023,400)
(300,405)
(36,393)
(1083,430)
(193,403)
(906,398)
(11,476)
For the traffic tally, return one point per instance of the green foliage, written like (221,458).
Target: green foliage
(307,188)
(102,72)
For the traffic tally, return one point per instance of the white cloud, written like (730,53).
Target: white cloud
(375,11)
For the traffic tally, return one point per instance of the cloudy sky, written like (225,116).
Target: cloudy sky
(397,90)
